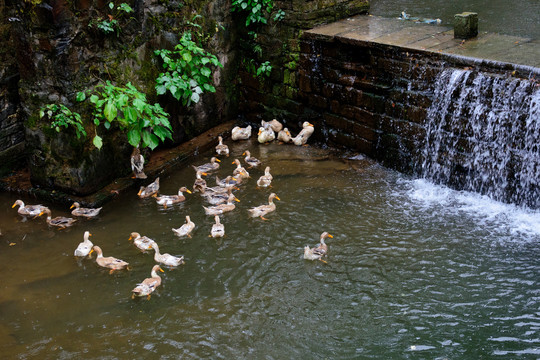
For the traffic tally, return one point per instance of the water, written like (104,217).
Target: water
(482,135)
(517,18)
(414,271)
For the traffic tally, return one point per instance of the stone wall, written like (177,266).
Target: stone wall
(278,95)
(58,51)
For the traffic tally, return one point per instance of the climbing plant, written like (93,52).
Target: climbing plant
(61,116)
(144,124)
(188,70)
(256,12)
(110,23)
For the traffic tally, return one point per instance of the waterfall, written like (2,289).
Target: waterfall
(483,135)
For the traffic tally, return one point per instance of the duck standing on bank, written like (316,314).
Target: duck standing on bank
(265,134)
(109,262)
(148,285)
(30,211)
(238,133)
(222,149)
(305,133)
(137,164)
(84,212)
(284,136)
(150,190)
(186,229)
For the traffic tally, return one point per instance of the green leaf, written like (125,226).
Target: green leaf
(195,97)
(97,141)
(110,111)
(81,96)
(162,132)
(94,99)
(150,140)
(161,89)
(130,114)
(187,57)
(134,137)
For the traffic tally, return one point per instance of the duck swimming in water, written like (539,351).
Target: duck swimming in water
(250,160)
(208,167)
(84,212)
(262,210)
(266,179)
(186,229)
(85,247)
(148,285)
(109,262)
(59,221)
(29,210)
(150,190)
(168,200)
(222,149)
(218,229)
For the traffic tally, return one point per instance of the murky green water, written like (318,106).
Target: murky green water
(414,271)
(518,18)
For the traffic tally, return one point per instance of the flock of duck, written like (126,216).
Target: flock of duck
(220,199)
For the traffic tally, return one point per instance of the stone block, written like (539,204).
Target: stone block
(465,25)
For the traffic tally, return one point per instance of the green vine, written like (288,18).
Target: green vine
(111,24)
(62,116)
(188,71)
(144,123)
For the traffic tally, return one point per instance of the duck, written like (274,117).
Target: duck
(266,179)
(84,212)
(168,200)
(216,198)
(218,229)
(85,247)
(240,171)
(238,133)
(222,208)
(208,167)
(166,259)
(265,134)
(222,149)
(150,190)
(251,161)
(110,262)
(274,124)
(225,183)
(262,210)
(309,254)
(284,135)
(29,210)
(148,285)
(322,248)
(59,221)
(305,133)
(186,229)
(142,242)
(200,184)
(137,164)
(316,253)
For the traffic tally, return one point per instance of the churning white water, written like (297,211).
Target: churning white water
(483,135)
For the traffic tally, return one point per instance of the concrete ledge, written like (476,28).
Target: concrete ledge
(160,162)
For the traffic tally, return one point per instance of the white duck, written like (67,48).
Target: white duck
(84,212)
(240,171)
(262,210)
(137,164)
(305,133)
(274,124)
(238,133)
(186,229)
(218,229)
(284,136)
(148,285)
(29,210)
(222,208)
(85,247)
(168,200)
(166,259)
(250,160)
(266,179)
(266,134)
(222,149)
(142,242)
